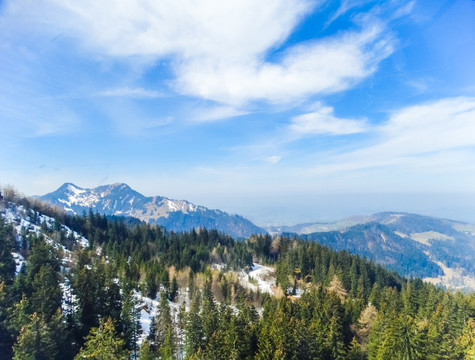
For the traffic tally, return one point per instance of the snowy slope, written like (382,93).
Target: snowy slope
(25,222)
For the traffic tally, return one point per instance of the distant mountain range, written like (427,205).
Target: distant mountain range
(439,250)
(176,215)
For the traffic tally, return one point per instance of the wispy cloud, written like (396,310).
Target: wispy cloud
(137,93)
(323,121)
(430,133)
(274,159)
(345,6)
(217,113)
(320,67)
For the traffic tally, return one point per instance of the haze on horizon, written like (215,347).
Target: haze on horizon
(283,112)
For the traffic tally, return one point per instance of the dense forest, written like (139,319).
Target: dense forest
(75,299)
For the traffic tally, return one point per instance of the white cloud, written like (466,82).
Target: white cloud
(345,6)
(434,126)
(274,159)
(319,67)
(217,49)
(434,133)
(138,93)
(186,27)
(323,121)
(404,10)
(217,113)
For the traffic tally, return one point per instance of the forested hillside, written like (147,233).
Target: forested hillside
(77,287)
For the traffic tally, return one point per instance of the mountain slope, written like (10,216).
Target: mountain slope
(378,242)
(176,215)
(441,251)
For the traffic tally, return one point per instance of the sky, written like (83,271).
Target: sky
(282,111)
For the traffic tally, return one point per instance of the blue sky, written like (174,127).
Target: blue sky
(283,111)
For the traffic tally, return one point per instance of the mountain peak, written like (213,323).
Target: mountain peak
(121,200)
(119,185)
(69,186)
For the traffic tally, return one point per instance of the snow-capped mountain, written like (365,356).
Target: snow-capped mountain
(177,215)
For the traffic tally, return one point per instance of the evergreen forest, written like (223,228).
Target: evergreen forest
(73,299)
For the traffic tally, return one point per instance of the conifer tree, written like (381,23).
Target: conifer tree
(36,341)
(208,313)
(146,352)
(5,338)
(167,349)
(194,327)
(112,300)
(19,315)
(86,300)
(334,341)
(131,329)
(354,351)
(164,337)
(103,343)
(7,263)
(173,289)
(466,341)
(46,293)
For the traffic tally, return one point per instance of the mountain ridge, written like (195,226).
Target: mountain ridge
(439,250)
(121,200)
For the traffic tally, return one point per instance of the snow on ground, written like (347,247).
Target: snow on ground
(453,278)
(68,297)
(22,220)
(148,310)
(260,278)
(19,260)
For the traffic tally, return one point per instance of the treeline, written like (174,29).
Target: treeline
(69,302)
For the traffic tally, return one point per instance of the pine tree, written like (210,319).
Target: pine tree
(388,342)
(466,341)
(194,327)
(146,352)
(335,341)
(86,302)
(7,263)
(167,349)
(111,298)
(6,341)
(36,341)
(208,313)
(19,315)
(173,289)
(131,328)
(354,351)
(164,337)
(103,343)
(46,293)
(151,284)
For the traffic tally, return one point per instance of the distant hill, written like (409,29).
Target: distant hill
(176,215)
(441,251)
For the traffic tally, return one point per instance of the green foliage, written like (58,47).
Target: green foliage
(103,343)
(130,317)
(7,263)
(36,341)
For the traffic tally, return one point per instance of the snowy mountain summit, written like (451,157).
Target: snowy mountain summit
(121,200)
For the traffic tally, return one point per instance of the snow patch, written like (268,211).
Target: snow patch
(19,261)
(453,278)
(260,278)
